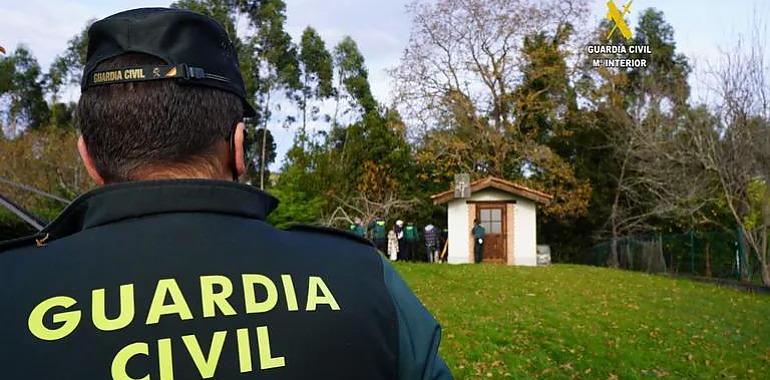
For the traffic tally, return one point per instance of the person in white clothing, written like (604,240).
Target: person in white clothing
(392,245)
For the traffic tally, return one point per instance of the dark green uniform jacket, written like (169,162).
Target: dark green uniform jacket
(478,232)
(358,230)
(184,280)
(378,230)
(410,233)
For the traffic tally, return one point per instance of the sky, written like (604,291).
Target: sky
(380,27)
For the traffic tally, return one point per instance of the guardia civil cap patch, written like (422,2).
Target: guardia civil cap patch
(196,49)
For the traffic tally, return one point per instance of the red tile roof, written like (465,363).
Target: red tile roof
(499,184)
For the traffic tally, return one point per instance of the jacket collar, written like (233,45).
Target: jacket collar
(113,203)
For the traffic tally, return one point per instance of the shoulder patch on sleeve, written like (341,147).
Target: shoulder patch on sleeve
(330,231)
(25,241)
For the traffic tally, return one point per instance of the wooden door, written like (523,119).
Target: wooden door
(492,218)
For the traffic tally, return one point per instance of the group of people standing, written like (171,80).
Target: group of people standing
(402,241)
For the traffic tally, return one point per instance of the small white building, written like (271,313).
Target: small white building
(508,212)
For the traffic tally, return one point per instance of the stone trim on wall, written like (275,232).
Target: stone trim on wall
(510,253)
(471,216)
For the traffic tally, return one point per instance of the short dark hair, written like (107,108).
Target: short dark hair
(132,126)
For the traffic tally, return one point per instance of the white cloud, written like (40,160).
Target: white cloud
(45,26)
(39,26)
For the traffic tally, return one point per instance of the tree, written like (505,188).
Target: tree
(63,114)
(547,114)
(376,156)
(484,87)
(275,61)
(317,72)
(368,210)
(473,48)
(45,159)
(302,184)
(732,145)
(641,112)
(67,68)
(22,89)
(256,167)
(362,169)
(353,76)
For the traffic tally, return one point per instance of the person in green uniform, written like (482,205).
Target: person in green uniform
(411,237)
(379,235)
(357,228)
(168,269)
(478,233)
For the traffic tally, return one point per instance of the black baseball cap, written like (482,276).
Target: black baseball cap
(195,47)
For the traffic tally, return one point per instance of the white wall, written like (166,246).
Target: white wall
(525,229)
(459,231)
(510,213)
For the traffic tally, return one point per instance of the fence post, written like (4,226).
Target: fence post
(674,267)
(739,252)
(692,252)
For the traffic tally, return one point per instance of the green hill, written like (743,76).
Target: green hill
(568,321)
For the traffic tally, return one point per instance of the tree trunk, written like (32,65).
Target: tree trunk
(743,256)
(612,259)
(766,275)
(264,146)
(337,99)
(763,256)
(304,112)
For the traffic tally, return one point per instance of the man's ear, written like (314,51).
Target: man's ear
(240,158)
(88,162)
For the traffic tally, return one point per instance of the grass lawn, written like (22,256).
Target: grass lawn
(568,321)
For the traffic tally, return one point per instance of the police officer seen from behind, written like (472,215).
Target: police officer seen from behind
(168,270)
(411,237)
(379,235)
(357,228)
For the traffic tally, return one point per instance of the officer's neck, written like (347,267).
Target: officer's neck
(169,172)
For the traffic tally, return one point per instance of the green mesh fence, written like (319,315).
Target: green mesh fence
(715,254)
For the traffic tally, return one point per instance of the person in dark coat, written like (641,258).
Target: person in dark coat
(380,235)
(431,242)
(169,269)
(478,233)
(411,238)
(357,228)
